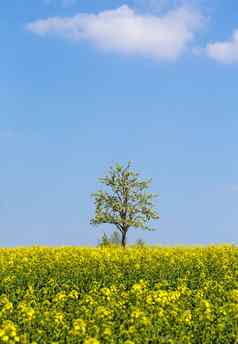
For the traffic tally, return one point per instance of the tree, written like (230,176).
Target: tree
(127,203)
(114,239)
(104,241)
(140,243)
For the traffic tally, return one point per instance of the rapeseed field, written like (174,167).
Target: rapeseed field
(114,295)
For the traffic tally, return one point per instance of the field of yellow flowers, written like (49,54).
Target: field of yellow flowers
(113,295)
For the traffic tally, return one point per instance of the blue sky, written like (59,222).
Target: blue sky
(153,82)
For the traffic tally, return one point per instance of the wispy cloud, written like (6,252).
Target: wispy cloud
(224,52)
(123,30)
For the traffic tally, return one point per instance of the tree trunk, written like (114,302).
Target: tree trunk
(123,239)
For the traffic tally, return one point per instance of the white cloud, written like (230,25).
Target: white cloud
(225,52)
(124,31)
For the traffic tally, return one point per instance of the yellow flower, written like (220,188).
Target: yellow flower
(79,327)
(138,288)
(74,294)
(8,331)
(187,316)
(61,296)
(59,318)
(103,312)
(132,330)
(30,313)
(136,313)
(5,339)
(206,311)
(106,291)
(234,295)
(107,332)
(91,341)
(145,321)
(7,305)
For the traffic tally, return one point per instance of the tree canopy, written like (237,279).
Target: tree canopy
(127,203)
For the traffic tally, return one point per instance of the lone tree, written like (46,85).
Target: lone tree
(127,203)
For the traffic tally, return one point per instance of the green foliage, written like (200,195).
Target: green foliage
(140,243)
(105,240)
(127,203)
(114,239)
